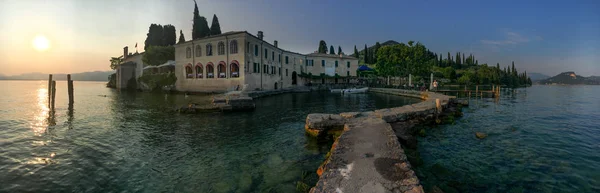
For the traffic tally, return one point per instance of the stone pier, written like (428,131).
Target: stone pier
(367,157)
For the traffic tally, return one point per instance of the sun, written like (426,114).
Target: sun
(41,43)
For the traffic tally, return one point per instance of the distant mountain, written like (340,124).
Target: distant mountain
(537,76)
(570,78)
(84,76)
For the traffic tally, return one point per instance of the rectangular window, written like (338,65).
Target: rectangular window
(273,56)
(348,64)
(248,47)
(336,63)
(255,50)
(279,71)
(322,62)
(348,73)
(266,53)
(280,58)
(286,72)
(265,69)
(286,60)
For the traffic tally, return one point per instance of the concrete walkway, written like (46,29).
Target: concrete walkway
(367,157)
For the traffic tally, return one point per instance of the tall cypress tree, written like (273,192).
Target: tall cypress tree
(322,47)
(339,50)
(366,54)
(355,52)
(463,58)
(449,59)
(181,37)
(331,50)
(215,28)
(169,35)
(196,25)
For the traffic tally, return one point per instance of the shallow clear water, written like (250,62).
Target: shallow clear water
(134,142)
(540,139)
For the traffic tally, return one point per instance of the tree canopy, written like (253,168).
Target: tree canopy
(181,37)
(115,61)
(339,50)
(322,47)
(160,36)
(331,50)
(402,59)
(157,55)
(355,52)
(215,28)
(200,27)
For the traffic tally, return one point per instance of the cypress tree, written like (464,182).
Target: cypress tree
(169,35)
(463,58)
(355,52)
(449,59)
(331,50)
(196,25)
(181,37)
(215,28)
(339,50)
(366,54)
(322,47)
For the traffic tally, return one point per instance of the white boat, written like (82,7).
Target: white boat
(355,90)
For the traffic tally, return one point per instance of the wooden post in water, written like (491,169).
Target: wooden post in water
(70,89)
(53,95)
(49,89)
(476,90)
(438,105)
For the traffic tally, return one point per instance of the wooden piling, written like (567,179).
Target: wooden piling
(438,105)
(49,89)
(53,95)
(70,89)
(476,90)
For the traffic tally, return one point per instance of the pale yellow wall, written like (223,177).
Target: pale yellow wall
(206,84)
(139,67)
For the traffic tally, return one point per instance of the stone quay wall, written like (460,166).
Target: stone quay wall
(367,156)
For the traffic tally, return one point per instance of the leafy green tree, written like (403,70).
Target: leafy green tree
(181,37)
(410,43)
(115,61)
(157,55)
(215,28)
(169,35)
(154,37)
(322,47)
(331,50)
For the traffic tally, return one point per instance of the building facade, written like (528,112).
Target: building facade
(232,60)
(131,67)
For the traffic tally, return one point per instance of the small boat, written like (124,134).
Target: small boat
(355,90)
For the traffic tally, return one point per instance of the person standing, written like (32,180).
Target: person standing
(435,85)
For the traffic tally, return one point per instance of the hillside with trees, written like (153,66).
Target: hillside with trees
(399,59)
(570,78)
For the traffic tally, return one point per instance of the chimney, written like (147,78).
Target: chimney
(260,35)
(275,43)
(125,52)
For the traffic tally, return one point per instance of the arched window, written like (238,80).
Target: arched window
(233,47)
(221,48)
(188,71)
(198,51)
(235,69)
(221,69)
(188,52)
(210,70)
(199,71)
(208,49)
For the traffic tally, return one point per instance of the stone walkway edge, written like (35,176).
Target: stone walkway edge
(367,156)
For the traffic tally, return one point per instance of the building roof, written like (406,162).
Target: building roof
(332,56)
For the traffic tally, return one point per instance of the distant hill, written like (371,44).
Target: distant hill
(537,76)
(570,78)
(84,76)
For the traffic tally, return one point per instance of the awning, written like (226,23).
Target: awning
(364,68)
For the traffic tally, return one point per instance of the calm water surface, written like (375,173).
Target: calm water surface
(134,142)
(540,139)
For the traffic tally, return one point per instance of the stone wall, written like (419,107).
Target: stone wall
(367,157)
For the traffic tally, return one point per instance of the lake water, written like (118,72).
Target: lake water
(134,142)
(540,139)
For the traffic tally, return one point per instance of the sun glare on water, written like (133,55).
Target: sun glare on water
(41,43)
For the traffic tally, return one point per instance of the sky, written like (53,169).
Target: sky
(547,37)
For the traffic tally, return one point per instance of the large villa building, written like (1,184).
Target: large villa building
(236,60)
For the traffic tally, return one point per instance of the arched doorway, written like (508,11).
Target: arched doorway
(275,86)
(294,78)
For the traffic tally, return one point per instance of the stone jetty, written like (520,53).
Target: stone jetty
(367,157)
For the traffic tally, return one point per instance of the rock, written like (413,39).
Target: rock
(480,135)
(436,189)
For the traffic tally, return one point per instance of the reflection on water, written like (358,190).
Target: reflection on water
(134,142)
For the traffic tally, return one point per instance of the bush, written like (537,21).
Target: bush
(156,82)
